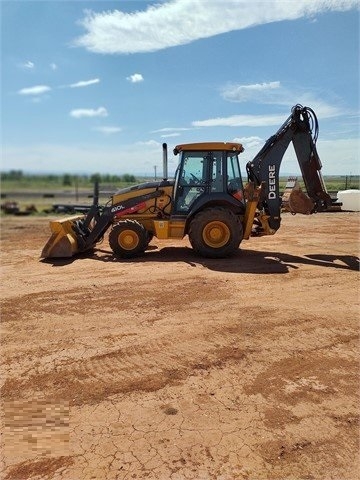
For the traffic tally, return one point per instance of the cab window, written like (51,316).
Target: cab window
(234,180)
(192,180)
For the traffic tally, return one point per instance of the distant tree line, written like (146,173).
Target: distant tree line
(12,175)
(66,179)
(107,178)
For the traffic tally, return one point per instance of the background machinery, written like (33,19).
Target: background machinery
(206,201)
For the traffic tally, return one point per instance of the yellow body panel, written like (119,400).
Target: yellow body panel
(252,195)
(163,202)
(162,228)
(249,218)
(177,229)
(169,229)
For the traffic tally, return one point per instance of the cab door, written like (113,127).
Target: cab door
(192,180)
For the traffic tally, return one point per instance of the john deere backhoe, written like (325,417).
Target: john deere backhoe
(206,201)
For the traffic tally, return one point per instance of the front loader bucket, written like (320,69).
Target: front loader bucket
(63,242)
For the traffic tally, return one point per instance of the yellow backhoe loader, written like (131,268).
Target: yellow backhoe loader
(206,201)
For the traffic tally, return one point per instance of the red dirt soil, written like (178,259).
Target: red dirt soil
(171,366)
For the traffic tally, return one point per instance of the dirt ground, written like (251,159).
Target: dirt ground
(173,367)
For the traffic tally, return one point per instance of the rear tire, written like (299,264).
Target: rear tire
(128,238)
(215,232)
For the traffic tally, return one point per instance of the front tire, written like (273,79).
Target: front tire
(128,238)
(215,232)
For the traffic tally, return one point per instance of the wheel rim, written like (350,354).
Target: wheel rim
(128,240)
(216,234)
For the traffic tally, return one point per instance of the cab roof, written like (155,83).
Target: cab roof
(209,146)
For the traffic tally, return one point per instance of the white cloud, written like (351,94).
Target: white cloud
(171,129)
(89,112)
(108,130)
(244,93)
(249,142)
(36,90)
(320,107)
(84,83)
(274,93)
(167,135)
(150,143)
(135,78)
(168,132)
(130,158)
(329,151)
(29,65)
(179,22)
(241,121)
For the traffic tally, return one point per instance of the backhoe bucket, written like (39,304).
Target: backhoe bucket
(294,200)
(299,202)
(63,242)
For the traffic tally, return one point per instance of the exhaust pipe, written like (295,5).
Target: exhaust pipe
(165,162)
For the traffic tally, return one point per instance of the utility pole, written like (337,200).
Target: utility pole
(155,172)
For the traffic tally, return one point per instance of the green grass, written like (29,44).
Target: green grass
(42,185)
(44,191)
(335,183)
(36,190)
(16,180)
(47,184)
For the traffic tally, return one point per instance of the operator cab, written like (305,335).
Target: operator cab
(207,170)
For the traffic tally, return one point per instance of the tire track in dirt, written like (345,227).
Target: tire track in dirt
(307,376)
(141,364)
(143,367)
(259,370)
(121,297)
(38,468)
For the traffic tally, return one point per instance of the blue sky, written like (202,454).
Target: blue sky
(97,86)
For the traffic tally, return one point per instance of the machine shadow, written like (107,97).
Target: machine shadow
(244,261)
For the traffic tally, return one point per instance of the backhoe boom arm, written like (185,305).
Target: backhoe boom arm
(300,128)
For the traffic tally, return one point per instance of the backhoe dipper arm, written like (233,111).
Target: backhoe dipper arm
(264,169)
(310,164)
